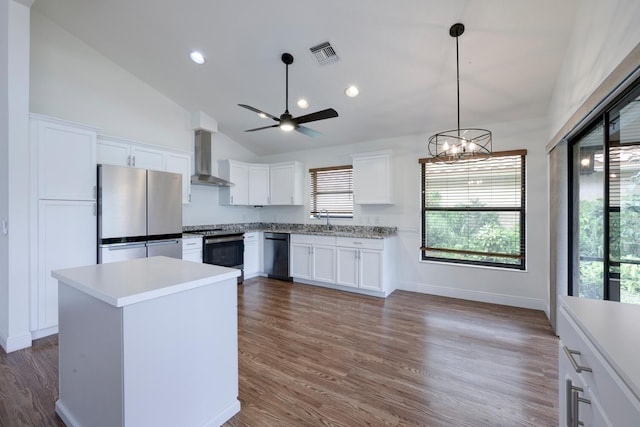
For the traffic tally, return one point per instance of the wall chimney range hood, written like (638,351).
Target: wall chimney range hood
(202,156)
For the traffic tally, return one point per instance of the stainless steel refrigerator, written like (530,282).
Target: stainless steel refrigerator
(139,213)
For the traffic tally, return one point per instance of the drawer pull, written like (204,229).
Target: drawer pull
(575,365)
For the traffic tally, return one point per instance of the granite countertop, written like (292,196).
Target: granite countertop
(367,232)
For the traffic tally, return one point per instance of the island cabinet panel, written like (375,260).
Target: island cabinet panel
(149,342)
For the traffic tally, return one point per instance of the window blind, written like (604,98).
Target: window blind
(332,190)
(473,210)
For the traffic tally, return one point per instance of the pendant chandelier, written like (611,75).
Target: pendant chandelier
(456,144)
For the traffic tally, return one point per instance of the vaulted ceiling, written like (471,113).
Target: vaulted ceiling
(399,54)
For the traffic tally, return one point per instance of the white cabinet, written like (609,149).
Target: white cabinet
(181,163)
(120,152)
(66,159)
(363,264)
(300,259)
(287,183)
(66,238)
(258,184)
(192,248)
(147,158)
(373,177)
(360,263)
(63,225)
(598,375)
(313,257)
(238,173)
(252,264)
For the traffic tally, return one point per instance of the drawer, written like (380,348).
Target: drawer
(313,239)
(251,237)
(361,243)
(602,383)
(191,243)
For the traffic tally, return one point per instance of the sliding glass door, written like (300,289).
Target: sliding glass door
(605,241)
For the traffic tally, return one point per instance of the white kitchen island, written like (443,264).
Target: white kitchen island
(148,342)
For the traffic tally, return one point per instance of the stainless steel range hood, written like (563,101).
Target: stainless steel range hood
(202,174)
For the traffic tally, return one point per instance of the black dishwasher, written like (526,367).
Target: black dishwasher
(276,255)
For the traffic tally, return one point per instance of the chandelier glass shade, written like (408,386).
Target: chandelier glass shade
(455,144)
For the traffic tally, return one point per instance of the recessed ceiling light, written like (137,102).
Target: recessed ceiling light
(302,103)
(197,57)
(262,115)
(352,91)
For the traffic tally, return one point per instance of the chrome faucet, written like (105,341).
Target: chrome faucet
(326,215)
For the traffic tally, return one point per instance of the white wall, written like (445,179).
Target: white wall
(14,185)
(603,34)
(524,289)
(72,81)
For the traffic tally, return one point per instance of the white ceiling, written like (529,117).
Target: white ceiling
(398,53)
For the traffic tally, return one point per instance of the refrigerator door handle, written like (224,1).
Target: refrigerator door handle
(120,246)
(163,242)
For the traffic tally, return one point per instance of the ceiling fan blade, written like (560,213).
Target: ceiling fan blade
(318,115)
(255,110)
(308,131)
(264,127)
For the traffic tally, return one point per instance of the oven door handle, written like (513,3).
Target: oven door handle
(208,240)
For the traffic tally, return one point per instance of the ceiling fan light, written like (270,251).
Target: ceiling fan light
(287,126)
(197,57)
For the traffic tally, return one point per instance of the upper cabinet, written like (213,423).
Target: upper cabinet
(257,184)
(66,156)
(181,163)
(373,178)
(287,183)
(237,173)
(120,152)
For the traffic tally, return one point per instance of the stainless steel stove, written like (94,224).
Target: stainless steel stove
(223,247)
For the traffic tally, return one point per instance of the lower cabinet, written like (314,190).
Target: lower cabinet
(357,263)
(360,263)
(192,248)
(313,257)
(597,340)
(66,238)
(252,264)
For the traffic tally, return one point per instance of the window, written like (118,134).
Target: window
(473,210)
(332,192)
(604,246)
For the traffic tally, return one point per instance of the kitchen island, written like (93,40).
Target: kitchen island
(152,341)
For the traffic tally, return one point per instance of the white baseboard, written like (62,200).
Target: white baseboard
(41,333)
(488,297)
(10,344)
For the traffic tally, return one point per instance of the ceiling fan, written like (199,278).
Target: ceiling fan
(286,121)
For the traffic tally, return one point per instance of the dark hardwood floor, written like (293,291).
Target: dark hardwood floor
(312,356)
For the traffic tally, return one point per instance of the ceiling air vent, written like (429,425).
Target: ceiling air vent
(324,53)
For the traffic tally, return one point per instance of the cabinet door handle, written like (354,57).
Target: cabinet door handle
(134,161)
(129,160)
(231,199)
(575,410)
(575,365)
